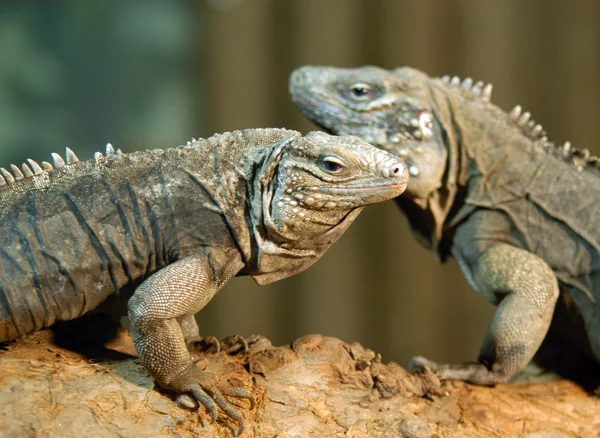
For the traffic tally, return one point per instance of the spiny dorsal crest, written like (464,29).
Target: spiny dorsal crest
(478,89)
(34,169)
(535,132)
(532,130)
(579,157)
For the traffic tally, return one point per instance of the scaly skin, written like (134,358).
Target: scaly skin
(173,226)
(519,214)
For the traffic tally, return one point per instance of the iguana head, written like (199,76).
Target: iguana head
(392,110)
(310,190)
(320,178)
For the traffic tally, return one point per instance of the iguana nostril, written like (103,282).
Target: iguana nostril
(398,170)
(297,78)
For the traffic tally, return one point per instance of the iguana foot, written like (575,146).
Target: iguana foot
(235,343)
(204,389)
(208,344)
(476,373)
(230,344)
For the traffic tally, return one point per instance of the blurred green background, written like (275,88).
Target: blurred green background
(153,74)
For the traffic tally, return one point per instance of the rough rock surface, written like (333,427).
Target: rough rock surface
(315,387)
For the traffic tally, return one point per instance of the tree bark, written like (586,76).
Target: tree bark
(315,387)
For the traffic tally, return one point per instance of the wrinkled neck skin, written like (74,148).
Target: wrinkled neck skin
(428,206)
(478,136)
(292,223)
(296,227)
(289,238)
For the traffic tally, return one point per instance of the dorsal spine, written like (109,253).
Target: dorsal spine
(32,168)
(532,130)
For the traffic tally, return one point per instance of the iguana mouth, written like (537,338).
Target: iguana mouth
(358,189)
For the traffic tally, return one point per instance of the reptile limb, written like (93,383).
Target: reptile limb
(231,344)
(160,311)
(526,290)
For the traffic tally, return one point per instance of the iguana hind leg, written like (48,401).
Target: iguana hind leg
(191,334)
(156,310)
(526,290)
(197,344)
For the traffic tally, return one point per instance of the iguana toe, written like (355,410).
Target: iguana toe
(230,344)
(417,364)
(239,392)
(476,373)
(206,401)
(234,343)
(203,387)
(203,345)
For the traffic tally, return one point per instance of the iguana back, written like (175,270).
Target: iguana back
(80,233)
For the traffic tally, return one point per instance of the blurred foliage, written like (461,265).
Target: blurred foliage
(81,74)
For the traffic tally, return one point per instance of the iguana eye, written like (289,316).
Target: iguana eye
(332,164)
(360,91)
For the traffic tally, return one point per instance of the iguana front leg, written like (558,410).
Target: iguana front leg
(156,309)
(526,290)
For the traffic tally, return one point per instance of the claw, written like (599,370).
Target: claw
(204,344)
(418,363)
(230,344)
(207,402)
(235,342)
(211,394)
(227,407)
(187,401)
(476,373)
(240,393)
(212,340)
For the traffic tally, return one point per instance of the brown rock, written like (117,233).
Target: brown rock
(317,387)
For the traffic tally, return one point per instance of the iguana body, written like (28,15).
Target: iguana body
(176,225)
(519,214)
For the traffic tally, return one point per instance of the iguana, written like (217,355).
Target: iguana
(172,227)
(519,214)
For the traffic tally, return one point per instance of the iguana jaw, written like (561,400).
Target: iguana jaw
(354,196)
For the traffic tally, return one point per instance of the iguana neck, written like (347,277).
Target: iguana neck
(429,217)
(242,182)
(478,136)
(285,243)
